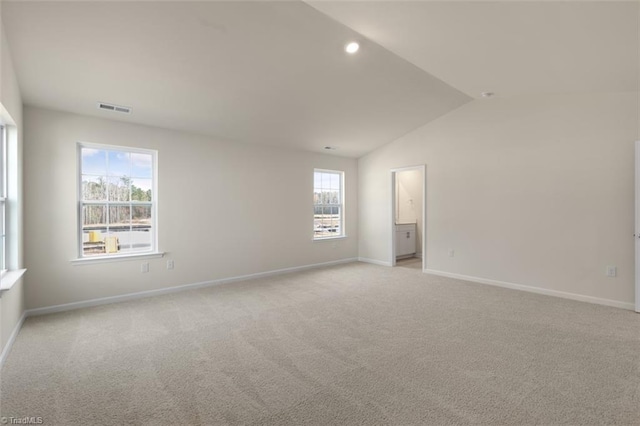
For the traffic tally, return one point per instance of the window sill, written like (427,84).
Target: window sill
(340,237)
(9,278)
(107,259)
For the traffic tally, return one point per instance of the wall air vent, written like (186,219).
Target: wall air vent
(114,108)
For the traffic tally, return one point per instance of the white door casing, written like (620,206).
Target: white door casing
(637,226)
(392,251)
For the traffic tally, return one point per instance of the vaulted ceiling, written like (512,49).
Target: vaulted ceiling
(276,72)
(511,48)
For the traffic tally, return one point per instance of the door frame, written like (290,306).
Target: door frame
(636,235)
(392,249)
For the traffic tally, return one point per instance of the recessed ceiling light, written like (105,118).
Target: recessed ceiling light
(487,94)
(330,148)
(352,47)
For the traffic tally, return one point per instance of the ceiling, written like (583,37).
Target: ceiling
(511,48)
(276,73)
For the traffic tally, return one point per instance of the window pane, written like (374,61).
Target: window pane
(141,165)
(93,188)
(141,215)
(119,188)
(141,228)
(327,196)
(140,239)
(94,229)
(335,181)
(119,163)
(320,231)
(94,161)
(335,222)
(141,189)
(326,220)
(93,242)
(331,197)
(119,217)
(329,211)
(326,180)
(94,216)
(119,236)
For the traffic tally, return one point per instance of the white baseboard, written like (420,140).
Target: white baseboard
(131,296)
(12,338)
(538,290)
(374,261)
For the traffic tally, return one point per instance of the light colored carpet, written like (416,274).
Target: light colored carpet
(354,344)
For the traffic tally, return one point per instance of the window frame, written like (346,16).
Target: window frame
(341,206)
(153,250)
(4,177)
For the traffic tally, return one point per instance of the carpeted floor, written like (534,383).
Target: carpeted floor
(354,344)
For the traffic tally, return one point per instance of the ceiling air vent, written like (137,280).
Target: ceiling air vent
(114,108)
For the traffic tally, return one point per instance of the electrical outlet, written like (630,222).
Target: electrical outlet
(611,271)
(452,252)
(144,268)
(170,264)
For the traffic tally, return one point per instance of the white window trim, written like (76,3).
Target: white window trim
(153,252)
(343,228)
(4,177)
(8,278)
(117,258)
(321,239)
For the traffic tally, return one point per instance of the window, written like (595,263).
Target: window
(3,199)
(117,201)
(328,214)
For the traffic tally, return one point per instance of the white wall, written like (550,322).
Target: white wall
(12,302)
(535,191)
(409,186)
(225,209)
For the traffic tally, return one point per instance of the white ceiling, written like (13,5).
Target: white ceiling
(261,72)
(276,73)
(511,48)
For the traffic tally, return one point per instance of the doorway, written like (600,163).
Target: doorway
(408,217)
